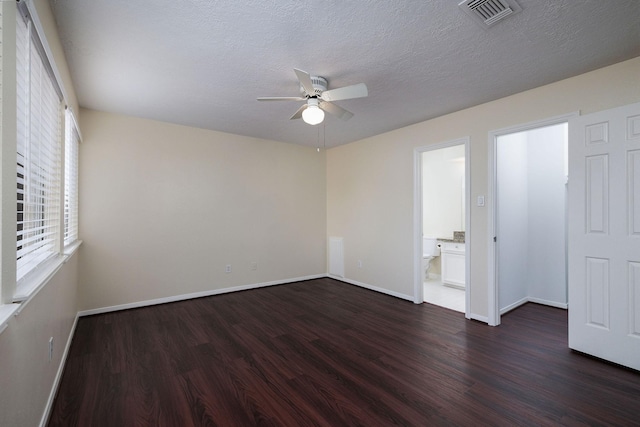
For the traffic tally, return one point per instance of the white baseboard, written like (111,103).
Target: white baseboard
(514,305)
(534,300)
(549,303)
(483,319)
(471,316)
(58,378)
(183,297)
(372,288)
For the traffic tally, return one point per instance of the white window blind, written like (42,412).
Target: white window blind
(39,143)
(72,141)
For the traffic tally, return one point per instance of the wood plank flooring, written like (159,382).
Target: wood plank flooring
(325,353)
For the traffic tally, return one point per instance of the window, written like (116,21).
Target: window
(39,152)
(72,140)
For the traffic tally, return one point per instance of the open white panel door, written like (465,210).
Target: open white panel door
(604,235)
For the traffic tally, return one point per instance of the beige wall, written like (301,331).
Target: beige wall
(26,374)
(164,208)
(370,182)
(25,371)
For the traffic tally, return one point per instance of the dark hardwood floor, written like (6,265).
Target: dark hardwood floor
(326,353)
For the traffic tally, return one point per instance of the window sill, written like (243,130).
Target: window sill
(29,286)
(36,280)
(71,249)
(32,283)
(6,311)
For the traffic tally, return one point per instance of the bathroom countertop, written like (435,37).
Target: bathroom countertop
(458,237)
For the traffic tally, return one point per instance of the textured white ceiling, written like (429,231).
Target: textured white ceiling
(202,63)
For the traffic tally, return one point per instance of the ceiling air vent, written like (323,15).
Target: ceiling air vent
(488,12)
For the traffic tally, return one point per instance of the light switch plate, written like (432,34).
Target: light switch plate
(480,200)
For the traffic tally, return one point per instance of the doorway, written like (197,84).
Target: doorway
(441,202)
(529,247)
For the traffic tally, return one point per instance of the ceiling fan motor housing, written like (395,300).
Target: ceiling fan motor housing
(319,85)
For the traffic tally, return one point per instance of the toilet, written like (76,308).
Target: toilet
(430,250)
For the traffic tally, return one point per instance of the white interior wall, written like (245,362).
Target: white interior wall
(512,218)
(546,280)
(531,217)
(443,191)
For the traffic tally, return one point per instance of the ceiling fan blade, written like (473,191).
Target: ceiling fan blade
(347,92)
(281,98)
(305,81)
(298,114)
(333,109)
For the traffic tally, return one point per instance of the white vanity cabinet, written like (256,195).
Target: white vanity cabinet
(453,264)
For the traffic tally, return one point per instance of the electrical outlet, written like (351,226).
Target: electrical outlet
(50,349)
(227,269)
(359,263)
(254,265)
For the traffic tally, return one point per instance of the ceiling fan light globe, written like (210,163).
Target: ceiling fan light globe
(313,115)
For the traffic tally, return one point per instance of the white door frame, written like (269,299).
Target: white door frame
(493,294)
(418,289)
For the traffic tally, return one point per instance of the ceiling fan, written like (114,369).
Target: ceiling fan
(318,99)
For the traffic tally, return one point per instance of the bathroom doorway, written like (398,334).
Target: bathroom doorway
(529,248)
(442,224)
